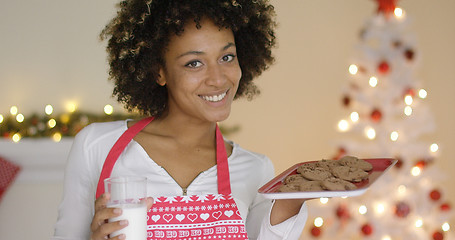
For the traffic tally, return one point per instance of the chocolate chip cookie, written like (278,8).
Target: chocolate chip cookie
(351,174)
(336,184)
(351,161)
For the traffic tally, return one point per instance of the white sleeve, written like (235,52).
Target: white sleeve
(290,229)
(77,206)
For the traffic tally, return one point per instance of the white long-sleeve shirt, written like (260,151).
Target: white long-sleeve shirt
(248,172)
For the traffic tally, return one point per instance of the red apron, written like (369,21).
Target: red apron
(210,216)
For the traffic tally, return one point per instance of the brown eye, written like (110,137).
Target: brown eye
(193,64)
(228,58)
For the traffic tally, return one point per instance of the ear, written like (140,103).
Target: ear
(161,79)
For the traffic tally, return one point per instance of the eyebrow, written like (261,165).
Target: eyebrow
(200,52)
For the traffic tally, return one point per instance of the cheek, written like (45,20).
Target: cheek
(236,75)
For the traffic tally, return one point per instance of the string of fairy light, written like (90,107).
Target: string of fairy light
(16,126)
(379,208)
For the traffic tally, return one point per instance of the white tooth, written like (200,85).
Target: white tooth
(215,98)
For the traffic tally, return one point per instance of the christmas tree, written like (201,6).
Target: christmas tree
(386,116)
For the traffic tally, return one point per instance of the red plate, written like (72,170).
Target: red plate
(380,166)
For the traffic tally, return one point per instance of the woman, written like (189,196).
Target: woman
(182,63)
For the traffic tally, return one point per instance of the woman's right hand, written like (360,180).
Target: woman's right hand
(100,226)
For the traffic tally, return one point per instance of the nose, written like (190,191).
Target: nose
(216,75)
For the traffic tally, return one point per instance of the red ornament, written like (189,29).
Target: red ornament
(64,129)
(386,6)
(367,229)
(402,209)
(315,231)
(445,207)
(422,163)
(346,101)
(397,44)
(438,235)
(409,54)
(410,91)
(340,154)
(376,115)
(399,163)
(342,212)
(383,67)
(34,121)
(435,195)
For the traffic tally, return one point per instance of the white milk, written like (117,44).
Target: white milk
(136,214)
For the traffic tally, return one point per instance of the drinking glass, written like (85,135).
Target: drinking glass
(129,193)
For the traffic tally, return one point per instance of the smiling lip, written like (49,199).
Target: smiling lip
(214,98)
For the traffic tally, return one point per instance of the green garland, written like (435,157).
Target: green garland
(66,124)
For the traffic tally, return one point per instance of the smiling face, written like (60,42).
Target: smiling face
(201,73)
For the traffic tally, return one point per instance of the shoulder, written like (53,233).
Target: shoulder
(250,159)
(101,132)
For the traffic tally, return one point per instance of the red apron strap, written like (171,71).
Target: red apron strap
(224,181)
(117,149)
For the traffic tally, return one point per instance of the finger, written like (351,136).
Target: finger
(149,202)
(104,230)
(102,215)
(102,201)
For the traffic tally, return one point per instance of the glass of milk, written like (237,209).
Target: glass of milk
(129,194)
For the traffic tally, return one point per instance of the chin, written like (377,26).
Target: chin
(221,117)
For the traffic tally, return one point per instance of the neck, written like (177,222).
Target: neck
(185,131)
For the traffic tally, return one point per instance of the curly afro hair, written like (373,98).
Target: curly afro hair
(139,34)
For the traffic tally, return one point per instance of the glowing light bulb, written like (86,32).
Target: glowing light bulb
(370,133)
(16,137)
(408,100)
(65,118)
(57,137)
(408,110)
(422,93)
(419,223)
(415,171)
(318,222)
(394,136)
(324,200)
(71,106)
(353,69)
(13,110)
(354,116)
(363,209)
(399,13)
(108,109)
(48,109)
(20,118)
(445,227)
(1,118)
(402,189)
(386,237)
(343,125)
(51,123)
(373,81)
(434,147)
(380,208)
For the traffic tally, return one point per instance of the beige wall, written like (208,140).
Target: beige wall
(295,117)
(47,44)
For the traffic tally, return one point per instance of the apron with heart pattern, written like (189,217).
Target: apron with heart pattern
(209,216)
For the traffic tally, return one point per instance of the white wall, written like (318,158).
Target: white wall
(50,53)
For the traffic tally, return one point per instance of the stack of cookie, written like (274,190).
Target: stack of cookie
(331,175)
